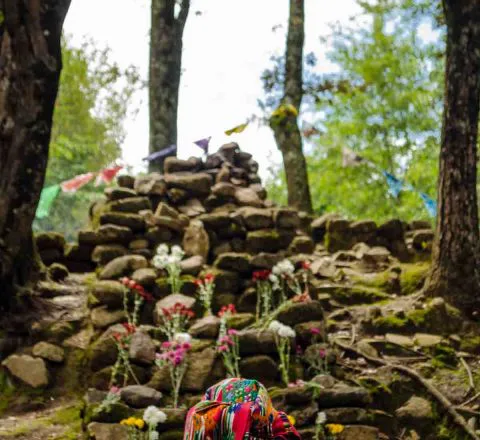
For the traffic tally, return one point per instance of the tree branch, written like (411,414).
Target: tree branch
(182,17)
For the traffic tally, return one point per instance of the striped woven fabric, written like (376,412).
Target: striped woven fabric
(237,409)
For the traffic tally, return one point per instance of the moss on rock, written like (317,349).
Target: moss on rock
(413,277)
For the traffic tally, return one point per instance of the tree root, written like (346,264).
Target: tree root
(444,402)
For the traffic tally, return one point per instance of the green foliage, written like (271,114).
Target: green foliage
(93,102)
(385,104)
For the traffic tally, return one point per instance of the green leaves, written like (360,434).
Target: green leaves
(93,101)
(385,104)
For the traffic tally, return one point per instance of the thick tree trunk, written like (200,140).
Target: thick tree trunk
(286,131)
(455,260)
(30,60)
(165,70)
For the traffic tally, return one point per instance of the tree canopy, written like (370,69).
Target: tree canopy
(94,99)
(384,102)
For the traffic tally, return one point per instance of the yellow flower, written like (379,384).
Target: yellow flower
(134,422)
(292,420)
(335,428)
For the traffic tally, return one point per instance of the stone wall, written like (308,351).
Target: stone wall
(218,212)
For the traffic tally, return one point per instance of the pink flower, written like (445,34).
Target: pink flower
(315,331)
(222,348)
(186,346)
(114,390)
(232,332)
(166,344)
(226,340)
(177,360)
(322,352)
(247,389)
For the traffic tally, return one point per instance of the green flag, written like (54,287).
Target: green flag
(48,195)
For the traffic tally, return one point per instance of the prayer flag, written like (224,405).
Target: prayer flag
(77,182)
(203,144)
(162,153)
(237,129)
(107,175)
(430,204)
(350,158)
(47,197)
(395,186)
(284,110)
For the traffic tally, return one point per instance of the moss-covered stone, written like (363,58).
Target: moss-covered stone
(413,277)
(50,240)
(390,323)
(352,295)
(471,344)
(263,240)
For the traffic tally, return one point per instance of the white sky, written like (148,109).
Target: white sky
(225,51)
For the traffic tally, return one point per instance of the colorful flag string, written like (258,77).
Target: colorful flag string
(50,193)
(395,185)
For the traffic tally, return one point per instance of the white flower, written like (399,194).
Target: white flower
(274,326)
(321,418)
(160,261)
(182,338)
(153,416)
(177,252)
(173,260)
(285,267)
(286,332)
(162,249)
(153,435)
(275,281)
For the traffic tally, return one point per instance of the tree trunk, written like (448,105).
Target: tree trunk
(165,70)
(30,60)
(286,130)
(455,258)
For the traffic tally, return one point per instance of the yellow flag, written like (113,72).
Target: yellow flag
(237,129)
(284,110)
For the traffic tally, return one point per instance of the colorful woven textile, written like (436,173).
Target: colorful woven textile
(237,409)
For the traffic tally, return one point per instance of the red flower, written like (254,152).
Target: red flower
(261,275)
(117,336)
(209,278)
(145,295)
(227,309)
(125,281)
(130,328)
(306,265)
(198,283)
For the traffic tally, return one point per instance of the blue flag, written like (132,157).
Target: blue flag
(430,204)
(161,153)
(203,144)
(395,186)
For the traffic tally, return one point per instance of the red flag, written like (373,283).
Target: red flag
(77,182)
(107,175)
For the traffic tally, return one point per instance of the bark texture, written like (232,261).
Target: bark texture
(287,133)
(30,64)
(455,260)
(165,71)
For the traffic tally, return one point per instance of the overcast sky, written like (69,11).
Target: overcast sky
(226,48)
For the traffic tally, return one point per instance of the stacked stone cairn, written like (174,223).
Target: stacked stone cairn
(217,211)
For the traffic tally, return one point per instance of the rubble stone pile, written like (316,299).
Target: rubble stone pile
(362,288)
